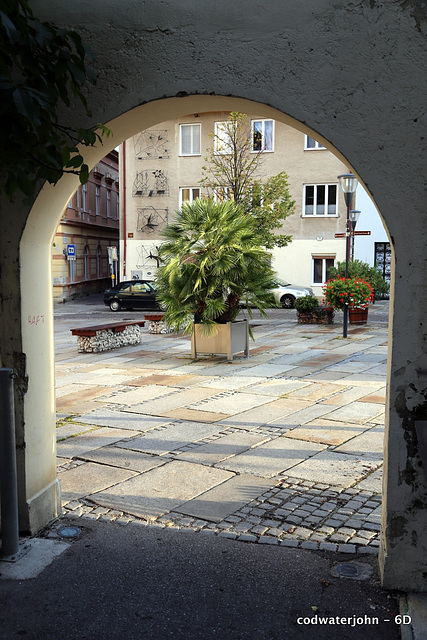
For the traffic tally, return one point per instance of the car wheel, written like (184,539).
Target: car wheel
(115,305)
(287,302)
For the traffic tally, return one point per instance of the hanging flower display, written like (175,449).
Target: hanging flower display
(354,292)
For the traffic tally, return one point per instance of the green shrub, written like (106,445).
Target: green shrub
(307,303)
(364,271)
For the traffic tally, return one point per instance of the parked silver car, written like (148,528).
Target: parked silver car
(286,293)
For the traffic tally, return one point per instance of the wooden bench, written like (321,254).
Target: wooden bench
(104,337)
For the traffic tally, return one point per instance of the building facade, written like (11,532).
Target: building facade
(162,168)
(85,248)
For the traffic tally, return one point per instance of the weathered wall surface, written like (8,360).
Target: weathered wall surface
(353,73)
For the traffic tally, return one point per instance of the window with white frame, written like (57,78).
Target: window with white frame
(262,132)
(320,269)
(311,143)
(222,193)
(189,139)
(188,194)
(320,200)
(222,135)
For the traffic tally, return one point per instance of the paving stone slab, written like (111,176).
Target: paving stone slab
(141,394)
(272,458)
(267,370)
(156,492)
(71,429)
(315,391)
(172,437)
(94,439)
(266,413)
(171,379)
(226,498)
(232,382)
(122,420)
(181,398)
(124,458)
(349,395)
(194,416)
(338,469)
(356,412)
(231,403)
(277,387)
(223,447)
(368,445)
(298,418)
(326,432)
(78,393)
(88,478)
(373,483)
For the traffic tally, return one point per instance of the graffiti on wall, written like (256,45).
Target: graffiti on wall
(151,184)
(152,144)
(151,220)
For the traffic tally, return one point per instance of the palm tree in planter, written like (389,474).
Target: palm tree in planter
(212,265)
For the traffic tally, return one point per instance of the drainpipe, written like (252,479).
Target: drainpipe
(123,200)
(8,480)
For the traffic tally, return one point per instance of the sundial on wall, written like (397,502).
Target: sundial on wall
(151,220)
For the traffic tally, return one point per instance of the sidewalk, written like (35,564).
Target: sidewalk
(283,448)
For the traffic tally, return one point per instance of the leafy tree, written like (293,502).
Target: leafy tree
(42,67)
(212,264)
(232,171)
(363,270)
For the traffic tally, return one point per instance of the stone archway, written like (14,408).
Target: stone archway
(301,62)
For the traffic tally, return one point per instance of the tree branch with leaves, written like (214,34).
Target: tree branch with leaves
(42,67)
(232,171)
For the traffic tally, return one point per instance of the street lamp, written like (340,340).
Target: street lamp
(354,217)
(348,184)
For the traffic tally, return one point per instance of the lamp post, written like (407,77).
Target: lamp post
(354,217)
(348,184)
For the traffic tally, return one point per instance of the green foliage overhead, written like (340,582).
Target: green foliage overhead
(213,264)
(360,269)
(233,169)
(41,68)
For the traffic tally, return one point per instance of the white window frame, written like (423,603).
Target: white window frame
(263,121)
(192,195)
(227,194)
(325,214)
(223,148)
(324,276)
(181,129)
(316,147)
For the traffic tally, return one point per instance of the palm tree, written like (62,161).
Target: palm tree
(212,265)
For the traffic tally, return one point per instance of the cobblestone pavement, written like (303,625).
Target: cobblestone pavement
(283,448)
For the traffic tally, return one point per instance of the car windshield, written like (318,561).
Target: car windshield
(282,283)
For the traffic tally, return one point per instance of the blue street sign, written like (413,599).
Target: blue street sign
(71,249)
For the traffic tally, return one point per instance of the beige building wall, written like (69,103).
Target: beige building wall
(155,172)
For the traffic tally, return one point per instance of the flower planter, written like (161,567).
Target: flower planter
(358,316)
(226,339)
(316,316)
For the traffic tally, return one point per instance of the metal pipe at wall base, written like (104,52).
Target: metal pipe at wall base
(8,478)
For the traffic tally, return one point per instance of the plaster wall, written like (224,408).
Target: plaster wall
(360,95)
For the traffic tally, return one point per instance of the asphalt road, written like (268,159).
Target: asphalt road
(133,583)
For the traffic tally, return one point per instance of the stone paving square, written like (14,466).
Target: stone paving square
(94,439)
(194,416)
(231,383)
(181,398)
(226,498)
(315,391)
(277,387)
(350,394)
(123,458)
(172,437)
(223,447)
(179,380)
(338,469)
(356,412)
(88,478)
(267,370)
(298,418)
(71,429)
(272,458)
(141,394)
(122,420)
(161,490)
(369,445)
(373,483)
(231,403)
(326,432)
(378,396)
(265,414)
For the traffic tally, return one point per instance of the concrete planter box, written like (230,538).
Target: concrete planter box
(316,316)
(227,339)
